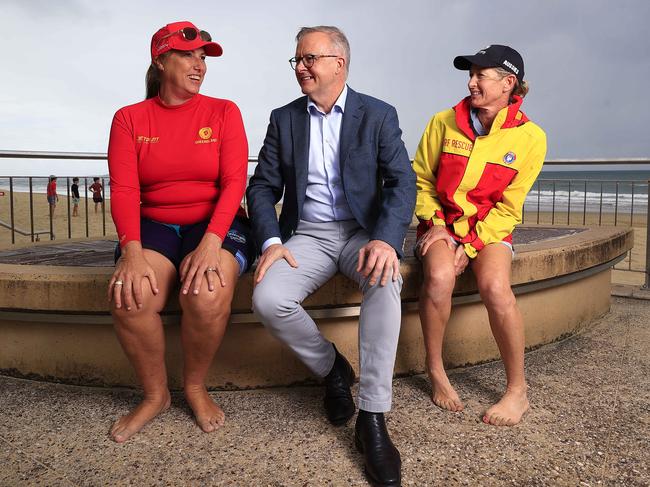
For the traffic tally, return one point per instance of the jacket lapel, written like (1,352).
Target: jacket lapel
(352,117)
(300,139)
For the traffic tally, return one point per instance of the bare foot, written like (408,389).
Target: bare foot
(509,410)
(208,415)
(131,423)
(444,396)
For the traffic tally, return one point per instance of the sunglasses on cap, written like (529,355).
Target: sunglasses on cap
(189,34)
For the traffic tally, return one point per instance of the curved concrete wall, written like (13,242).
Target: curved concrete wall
(54,321)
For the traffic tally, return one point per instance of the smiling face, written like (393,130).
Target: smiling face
(488,89)
(325,79)
(182,73)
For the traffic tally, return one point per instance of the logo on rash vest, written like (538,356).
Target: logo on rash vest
(205,135)
(509,158)
(143,139)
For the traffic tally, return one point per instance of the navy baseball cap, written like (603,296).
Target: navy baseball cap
(494,56)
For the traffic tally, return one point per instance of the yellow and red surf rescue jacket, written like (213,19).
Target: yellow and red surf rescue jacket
(476,186)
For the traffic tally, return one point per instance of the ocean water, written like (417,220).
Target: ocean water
(614,191)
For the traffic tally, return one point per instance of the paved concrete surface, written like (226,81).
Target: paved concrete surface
(589,425)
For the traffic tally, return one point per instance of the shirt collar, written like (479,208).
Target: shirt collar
(340,101)
(476,123)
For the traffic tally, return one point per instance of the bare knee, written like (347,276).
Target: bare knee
(207,306)
(438,284)
(129,320)
(496,294)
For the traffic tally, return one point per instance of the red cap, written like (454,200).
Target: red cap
(162,41)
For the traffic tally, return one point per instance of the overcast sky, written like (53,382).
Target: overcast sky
(68,65)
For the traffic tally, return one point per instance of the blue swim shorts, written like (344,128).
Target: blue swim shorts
(176,241)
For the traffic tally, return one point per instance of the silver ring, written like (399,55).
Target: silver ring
(211,269)
(118,283)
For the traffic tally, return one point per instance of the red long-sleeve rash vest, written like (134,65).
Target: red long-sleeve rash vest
(178,165)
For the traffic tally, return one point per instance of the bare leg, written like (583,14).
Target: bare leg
(492,270)
(204,321)
(435,307)
(140,333)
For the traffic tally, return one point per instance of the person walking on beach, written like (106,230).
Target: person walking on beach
(349,192)
(74,189)
(98,194)
(177,164)
(474,165)
(52,197)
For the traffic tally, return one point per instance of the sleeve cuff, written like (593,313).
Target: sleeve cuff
(474,247)
(216,232)
(271,241)
(438,218)
(438,221)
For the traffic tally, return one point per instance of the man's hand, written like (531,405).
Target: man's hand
(271,254)
(377,259)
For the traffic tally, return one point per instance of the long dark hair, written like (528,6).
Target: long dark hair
(152,79)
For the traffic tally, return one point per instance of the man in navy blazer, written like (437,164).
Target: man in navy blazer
(337,158)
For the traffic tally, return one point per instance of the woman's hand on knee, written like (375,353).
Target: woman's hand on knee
(435,233)
(205,260)
(460,260)
(125,285)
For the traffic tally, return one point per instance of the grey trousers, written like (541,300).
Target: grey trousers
(321,250)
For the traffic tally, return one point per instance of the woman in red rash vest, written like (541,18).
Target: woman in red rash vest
(178,164)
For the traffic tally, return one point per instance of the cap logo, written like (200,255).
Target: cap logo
(509,158)
(511,66)
(205,133)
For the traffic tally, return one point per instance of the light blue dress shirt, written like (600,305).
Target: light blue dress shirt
(325,199)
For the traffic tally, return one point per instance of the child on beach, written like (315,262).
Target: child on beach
(97,190)
(74,189)
(52,197)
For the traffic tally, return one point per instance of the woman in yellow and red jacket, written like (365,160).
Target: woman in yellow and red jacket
(475,165)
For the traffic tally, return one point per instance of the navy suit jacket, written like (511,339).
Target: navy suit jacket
(377,177)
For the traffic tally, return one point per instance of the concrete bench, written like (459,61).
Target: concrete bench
(55,324)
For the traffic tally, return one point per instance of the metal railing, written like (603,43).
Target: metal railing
(550,201)
(35,186)
(595,202)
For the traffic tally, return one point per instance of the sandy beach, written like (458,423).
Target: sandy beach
(100,224)
(77,227)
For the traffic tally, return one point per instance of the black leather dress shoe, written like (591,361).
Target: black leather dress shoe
(339,405)
(382,461)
